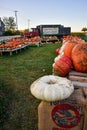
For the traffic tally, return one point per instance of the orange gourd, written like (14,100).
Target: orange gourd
(62,66)
(79,57)
(68,48)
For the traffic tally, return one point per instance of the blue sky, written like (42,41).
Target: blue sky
(70,13)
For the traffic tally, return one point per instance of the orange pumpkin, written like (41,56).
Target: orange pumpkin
(62,66)
(79,57)
(68,48)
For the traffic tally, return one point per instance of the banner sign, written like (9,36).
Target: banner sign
(50,31)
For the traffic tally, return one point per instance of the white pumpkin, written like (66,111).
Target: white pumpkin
(51,88)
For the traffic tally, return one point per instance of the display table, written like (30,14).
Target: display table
(10,51)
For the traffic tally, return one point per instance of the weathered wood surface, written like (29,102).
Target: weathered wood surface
(78,73)
(79,79)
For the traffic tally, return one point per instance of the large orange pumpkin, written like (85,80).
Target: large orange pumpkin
(62,66)
(79,57)
(68,48)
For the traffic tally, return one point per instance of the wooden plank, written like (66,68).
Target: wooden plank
(77,78)
(79,84)
(77,73)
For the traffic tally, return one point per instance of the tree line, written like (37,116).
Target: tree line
(10,26)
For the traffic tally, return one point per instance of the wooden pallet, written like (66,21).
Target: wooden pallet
(78,79)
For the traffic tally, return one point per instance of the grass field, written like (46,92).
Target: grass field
(18,108)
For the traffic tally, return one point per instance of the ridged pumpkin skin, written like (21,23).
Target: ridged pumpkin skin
(68,48)
(62,66)
(79,57)
(51,88)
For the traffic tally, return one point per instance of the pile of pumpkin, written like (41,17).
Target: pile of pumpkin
(71,56)
(35,39)
(13,43)
(18,42)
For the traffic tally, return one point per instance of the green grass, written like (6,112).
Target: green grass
(17,72)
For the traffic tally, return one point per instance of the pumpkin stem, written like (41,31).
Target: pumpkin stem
(51,82)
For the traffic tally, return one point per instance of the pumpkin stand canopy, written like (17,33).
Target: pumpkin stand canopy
(52,88)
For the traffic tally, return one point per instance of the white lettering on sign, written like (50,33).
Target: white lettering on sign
(50,31)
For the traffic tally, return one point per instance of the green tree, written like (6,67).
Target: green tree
(84,29)
(9,23)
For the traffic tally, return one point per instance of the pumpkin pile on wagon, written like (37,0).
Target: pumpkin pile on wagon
(71,56)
